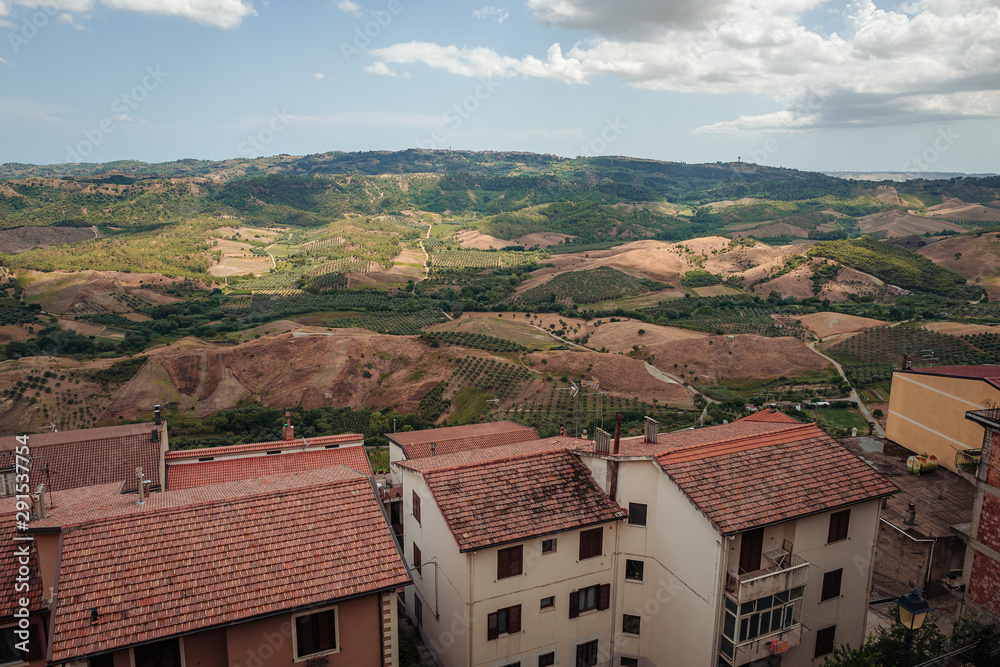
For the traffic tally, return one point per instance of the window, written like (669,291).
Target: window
(105,660)
(161,654)
(586,599)
(824,640)
(549,545)
(8,645)
(760,617)
(630,662)
(418,610)
(7,486)
(509,562)
(591,543)
(839,522)
(314,633)
(547,659)
(630,624)
(503,622)
(831,585)
(548,603)
(637,514)
(417,559)
(416,506)
(586,654)
(633,570)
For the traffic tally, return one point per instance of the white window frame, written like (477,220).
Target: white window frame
(295,637)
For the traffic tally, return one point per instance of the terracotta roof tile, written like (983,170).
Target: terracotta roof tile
(451,439)
(190,475)
(637,447)
(985,372)
(280,445)
(474,456)
(505,500)
(776,417)
(758,480)
(72,459)
(199,558)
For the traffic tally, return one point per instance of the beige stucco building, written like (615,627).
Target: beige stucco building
(746,542)
(927,410)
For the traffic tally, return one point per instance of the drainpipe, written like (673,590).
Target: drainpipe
(472,571)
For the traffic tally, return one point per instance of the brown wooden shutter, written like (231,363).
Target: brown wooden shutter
(503,563)
(516,560)
(751,546)
(574,604)
(492,623)
(35,649)
(416,506)
(305,639)
(598,545)
(514,619)
(417,559)
(604,597)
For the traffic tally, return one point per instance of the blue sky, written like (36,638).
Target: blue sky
(809,84)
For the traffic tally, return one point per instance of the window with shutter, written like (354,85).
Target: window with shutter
(503,622)
(574,604)
(416,506)
(831,585)
(492,626)
(839,524)
(509,562)
(604,597)
(315,633)
(591,543)
(824,641)
(637,514)
(590,598)
(586,654)
(417,559)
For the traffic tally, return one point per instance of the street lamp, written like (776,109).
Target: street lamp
(913,610)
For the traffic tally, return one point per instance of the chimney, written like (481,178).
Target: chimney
(154,435)
(433,448)
(652,430)
(618,431)
(613,464)
(141,488)
(39,502)
(871,427)
(910,517)
(156,415)
(288,431)
(906,362)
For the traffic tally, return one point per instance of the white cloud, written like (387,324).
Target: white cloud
(498,14)
(225,14)
(4,62)
(382,69)
(349,7)
(12,108)
(319,76)
(924,61)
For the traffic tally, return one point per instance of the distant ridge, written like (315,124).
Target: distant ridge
(900,176)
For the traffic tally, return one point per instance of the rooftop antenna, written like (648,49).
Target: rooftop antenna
(574,392)
(496,401)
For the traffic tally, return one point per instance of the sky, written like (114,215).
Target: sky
(865,85)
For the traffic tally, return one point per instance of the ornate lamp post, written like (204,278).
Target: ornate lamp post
(913,610)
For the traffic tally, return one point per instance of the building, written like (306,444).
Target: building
(982,564)
(512,551)
(271,571)
(189,468)
(747,542)
(71,459)
(410,445)
(927,409)
(924,529)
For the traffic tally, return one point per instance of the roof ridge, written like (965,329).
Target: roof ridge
(755,441)
(294,443)
(502,459)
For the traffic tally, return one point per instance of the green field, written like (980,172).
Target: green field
(843,419)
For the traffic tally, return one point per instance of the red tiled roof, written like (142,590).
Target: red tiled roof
(755,481)
(190,475)
(9,570)
(297,444)
(71,459)
(492,453)
(510,499)
(451,439)
(776,417)
(637,447)
(183,562)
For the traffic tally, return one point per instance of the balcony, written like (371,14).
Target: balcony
(769,645)
(783,573)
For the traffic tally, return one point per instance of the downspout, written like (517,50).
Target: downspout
(472,569)
(54,602)
(720,608)
(614,598)
(381,630)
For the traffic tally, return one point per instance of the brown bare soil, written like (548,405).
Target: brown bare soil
(507,327)
(58,291)
(957,209)
(618,374)
(829,324)
(959,329)
(81,327)
(10,332)
(975,257)
(752,356)
(26,238)
(476,240)
(238,259)
(542,239)
(621,336)
(777,229)
(888,194)
(902,223)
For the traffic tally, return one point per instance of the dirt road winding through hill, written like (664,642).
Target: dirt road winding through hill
(854,394)
(670,379)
